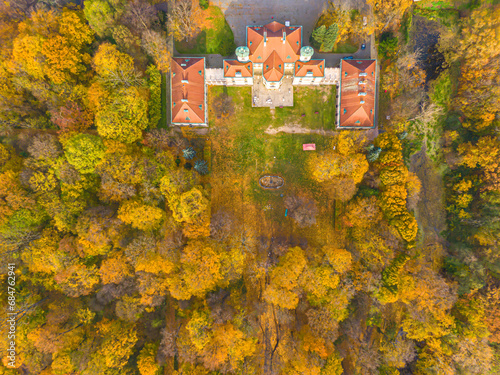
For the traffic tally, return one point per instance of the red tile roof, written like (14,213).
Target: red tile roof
(357,93)
(285,41)
(232,67)
(188,90)
(273,68)
(315,67)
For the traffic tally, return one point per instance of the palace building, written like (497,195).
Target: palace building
(272,61)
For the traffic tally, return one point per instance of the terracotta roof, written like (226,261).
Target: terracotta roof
(273,68)
(357,93)
(188,90)
(316,68)
(272,33)
(233,67)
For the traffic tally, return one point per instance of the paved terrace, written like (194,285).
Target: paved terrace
(263,97)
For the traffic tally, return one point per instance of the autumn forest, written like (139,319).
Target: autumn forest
(131,247)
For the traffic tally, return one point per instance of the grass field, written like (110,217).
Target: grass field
(242,152)
(215,37)
(346,47)
(307,101)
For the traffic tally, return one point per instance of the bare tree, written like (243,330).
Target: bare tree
(140,15)
(155,45)
(302,210)
(184,18)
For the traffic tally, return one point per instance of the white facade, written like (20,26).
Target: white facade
(307,80)
(215,76)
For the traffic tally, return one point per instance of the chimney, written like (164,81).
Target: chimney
(265,38)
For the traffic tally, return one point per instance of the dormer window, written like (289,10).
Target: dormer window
(188,119)
(186,110)
(345,111)
(199,72)
(184,100)
(184,81)
(200,106)
(345,74)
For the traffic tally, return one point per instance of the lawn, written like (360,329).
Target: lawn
(346,47)
(215,36)
(314,108)
(242,152)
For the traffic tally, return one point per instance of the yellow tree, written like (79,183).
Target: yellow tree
(141,216)
(146,362)
(284,279)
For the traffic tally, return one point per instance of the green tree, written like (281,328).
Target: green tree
(84,152)
(330,38)
(318,35)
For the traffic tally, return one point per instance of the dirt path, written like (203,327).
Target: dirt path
(371,134)
(297,129)
(430,211)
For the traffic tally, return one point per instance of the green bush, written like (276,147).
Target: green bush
(155,100)
(388,45)
(204,4)
(441,90)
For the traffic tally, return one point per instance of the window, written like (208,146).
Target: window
(250,42)
(173,104)
(259,57)
(345,111)
(188,119)
(200,106)
(173,73)
(279,66)
(267,66)
(186,110)
(358,122)
(345,74)
(199,72)
(288,57)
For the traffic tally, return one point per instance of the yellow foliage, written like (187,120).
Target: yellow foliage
(141,216)
(114,270)
(340,259)
(108,60)
(146,362)
(154,263)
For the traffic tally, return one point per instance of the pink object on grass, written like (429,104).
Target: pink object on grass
(309,146)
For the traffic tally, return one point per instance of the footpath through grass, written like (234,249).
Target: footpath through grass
(215,36)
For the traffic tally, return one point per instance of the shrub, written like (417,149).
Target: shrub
(201,167)
(189,153)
